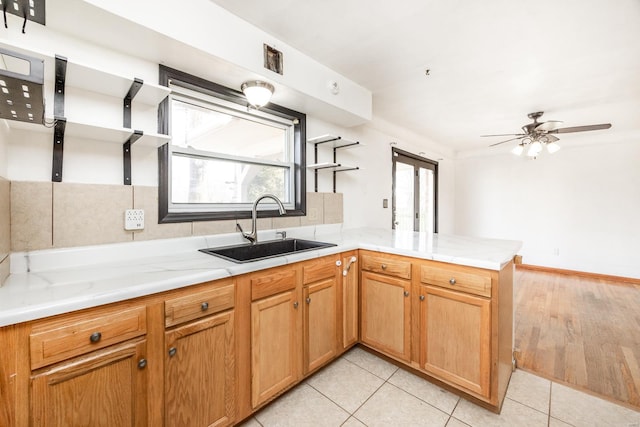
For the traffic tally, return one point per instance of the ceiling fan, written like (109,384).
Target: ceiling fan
(537,134)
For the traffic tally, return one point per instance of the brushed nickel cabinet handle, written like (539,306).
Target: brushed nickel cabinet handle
(95,337)
(204,306)
(421,297)
(172,351)
(295,304)
(142,363)
(406,293)
(308,300)
(452,281)
(384,266)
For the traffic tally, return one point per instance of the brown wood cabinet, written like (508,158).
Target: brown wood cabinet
(200,373)
(320,280)
(455,338)
(275,333)
(385,305)
(106,388)
(212,354)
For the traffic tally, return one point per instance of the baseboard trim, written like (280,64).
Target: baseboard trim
(629,280)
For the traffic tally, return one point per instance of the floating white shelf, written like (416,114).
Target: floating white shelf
(333,141)
(89,78)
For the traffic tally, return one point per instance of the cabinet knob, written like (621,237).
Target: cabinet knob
(406,293)
(384,266)
(421,297)
(95,337)
(308,300)
(204,306)
(338,263)
(452,281)
(172,351)
(142,363)
(295,304)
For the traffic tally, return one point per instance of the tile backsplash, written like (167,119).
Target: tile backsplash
(56,215)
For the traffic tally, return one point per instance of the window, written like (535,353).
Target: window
(415,185)
(222,155)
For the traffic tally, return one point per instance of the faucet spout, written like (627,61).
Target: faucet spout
(253,235)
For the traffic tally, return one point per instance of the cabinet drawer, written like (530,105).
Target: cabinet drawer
(388,266)
(273,283)
(199,304)
(319,270)
(75,337)
(477,282)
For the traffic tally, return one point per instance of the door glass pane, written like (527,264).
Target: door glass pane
(404,213)
(426,201)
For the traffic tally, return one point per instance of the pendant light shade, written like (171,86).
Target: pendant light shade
(258,93)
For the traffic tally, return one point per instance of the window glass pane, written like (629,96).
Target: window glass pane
(214,131)
(205,180)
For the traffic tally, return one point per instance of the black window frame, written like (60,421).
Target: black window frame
(207,87)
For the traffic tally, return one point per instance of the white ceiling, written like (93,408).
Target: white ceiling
(491,62)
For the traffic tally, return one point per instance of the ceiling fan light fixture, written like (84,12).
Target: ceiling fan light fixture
(257,92)
(552,147)
(518,149)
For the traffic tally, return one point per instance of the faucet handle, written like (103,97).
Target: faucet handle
(283,233)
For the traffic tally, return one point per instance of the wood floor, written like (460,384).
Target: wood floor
(584,332)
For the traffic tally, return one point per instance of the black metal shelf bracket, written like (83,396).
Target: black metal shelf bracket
(58,148)
(133,91)
(126,122)
(126,155)
(337,143)
(60,121)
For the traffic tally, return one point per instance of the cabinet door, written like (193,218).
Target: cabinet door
(320,333)
(455,337)
(275,345)
(349,301)
(386,317)
(200,373)
(105,388)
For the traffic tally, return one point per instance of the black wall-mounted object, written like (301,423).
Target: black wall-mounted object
(32,10)
(21,88)
(126,155)
(60,121)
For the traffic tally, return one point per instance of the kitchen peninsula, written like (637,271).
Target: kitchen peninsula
(439,305)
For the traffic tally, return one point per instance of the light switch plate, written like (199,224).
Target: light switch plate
(134,219)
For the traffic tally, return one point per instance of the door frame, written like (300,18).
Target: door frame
(416,161)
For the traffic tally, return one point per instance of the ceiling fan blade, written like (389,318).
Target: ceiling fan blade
(508,140)
(506,134)
(549,125)
(551,138)
(581,128)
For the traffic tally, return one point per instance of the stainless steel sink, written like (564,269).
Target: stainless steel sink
(248,252)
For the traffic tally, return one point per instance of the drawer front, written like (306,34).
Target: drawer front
(477,282)
(388,266)
(273,283)
(319,270)
(200,304)
(78,337)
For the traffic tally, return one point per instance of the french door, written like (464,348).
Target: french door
(415,184)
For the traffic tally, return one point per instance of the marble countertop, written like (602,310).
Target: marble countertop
(49,282)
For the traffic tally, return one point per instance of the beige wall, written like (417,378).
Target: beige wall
(56,215)
(5,228)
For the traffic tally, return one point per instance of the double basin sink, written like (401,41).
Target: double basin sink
(262,250)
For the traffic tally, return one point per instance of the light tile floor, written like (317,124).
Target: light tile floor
(360,389)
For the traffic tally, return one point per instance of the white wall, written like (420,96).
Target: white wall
(576,209)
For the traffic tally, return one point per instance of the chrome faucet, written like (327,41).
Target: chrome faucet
(253,236)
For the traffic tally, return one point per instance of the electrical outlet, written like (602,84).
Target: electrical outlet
(134,219)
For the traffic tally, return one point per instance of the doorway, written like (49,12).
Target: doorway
(415,191)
